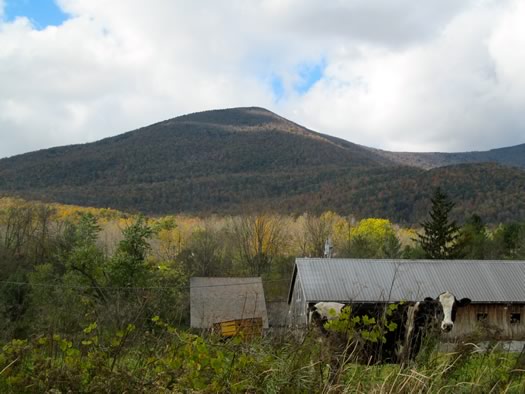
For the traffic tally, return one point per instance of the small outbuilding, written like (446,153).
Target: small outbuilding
(496,288)
(228,305)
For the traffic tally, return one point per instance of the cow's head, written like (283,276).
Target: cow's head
(325,311)
(443,309)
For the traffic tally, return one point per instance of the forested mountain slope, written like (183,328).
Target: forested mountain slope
(245,159)
(511,156)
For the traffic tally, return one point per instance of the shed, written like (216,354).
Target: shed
(219,300)
(496,288)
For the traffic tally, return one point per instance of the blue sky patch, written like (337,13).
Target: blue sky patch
(309,74)
(41,13)
(277,87)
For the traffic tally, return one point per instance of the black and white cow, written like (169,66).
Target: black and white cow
(430,316)
(414,321)
(323,312)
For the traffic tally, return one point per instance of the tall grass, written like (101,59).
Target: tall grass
(165,360)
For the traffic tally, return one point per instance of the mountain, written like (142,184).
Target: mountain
(511,156)
(245,159)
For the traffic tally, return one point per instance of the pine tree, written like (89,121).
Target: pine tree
(440,237)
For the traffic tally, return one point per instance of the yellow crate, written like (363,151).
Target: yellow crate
(246,327)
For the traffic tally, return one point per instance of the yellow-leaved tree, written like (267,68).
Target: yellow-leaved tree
(373,238)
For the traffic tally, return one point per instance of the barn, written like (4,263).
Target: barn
(227,304)
(496,288)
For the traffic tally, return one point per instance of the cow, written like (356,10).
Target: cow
(325,311)
(413,321)
(428,317)
(370,351)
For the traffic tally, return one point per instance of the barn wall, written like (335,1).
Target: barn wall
(497,324)
(298,309)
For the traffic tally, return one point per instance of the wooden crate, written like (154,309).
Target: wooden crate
(245,327)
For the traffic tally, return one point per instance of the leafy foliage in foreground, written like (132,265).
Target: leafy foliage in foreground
(165,359)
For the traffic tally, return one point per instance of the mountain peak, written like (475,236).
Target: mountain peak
(239,116)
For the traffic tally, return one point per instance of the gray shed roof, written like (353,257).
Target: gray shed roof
(214,300)
(360,280)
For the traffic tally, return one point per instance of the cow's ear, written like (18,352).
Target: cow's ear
(429,299)
(464,302)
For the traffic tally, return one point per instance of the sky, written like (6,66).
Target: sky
(404,75)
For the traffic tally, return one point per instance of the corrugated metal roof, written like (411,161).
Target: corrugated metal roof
(362,280)
(214,300)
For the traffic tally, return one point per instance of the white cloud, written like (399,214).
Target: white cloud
(455,92)
(413,76)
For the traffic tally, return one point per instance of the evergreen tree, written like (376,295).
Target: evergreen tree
(439,240)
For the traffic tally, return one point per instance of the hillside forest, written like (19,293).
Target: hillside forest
(97,300)
(249,160)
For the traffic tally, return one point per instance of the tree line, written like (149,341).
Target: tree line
(64,267)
